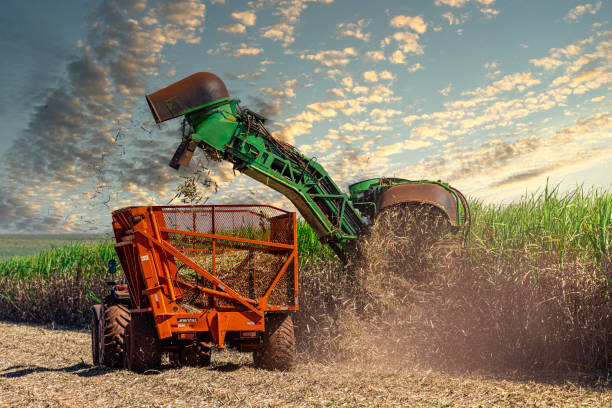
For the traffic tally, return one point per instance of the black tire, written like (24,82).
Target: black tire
(116,320)
(194,354)
(278,351)
(142,345)
(96,312)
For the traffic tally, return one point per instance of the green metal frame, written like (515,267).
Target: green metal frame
(233,134)
(223,129)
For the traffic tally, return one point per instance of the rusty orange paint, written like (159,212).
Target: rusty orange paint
(151,240)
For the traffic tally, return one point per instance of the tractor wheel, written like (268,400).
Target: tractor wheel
(278,352)
(194,354)
(116,319)
(142,346)
(96,312)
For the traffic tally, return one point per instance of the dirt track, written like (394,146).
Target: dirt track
(40,367)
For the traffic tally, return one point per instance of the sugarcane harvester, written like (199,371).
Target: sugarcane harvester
(227,131)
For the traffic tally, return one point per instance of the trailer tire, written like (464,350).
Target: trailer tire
(142,345)
(116,319)
(278,351)
(194,354)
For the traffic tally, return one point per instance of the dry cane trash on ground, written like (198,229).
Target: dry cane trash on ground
(41,367)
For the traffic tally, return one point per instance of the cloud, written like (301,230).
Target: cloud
(17,215)
(347,81)
(558,56)
(452,19)
(523,176)
(297,125)
(331,58)
(79,129)
(574,14)
(489,12)
(451,3)
(446,90)
(415,67)
(493,106)
(408,42)
(415,23)
(322,146)
(514,152)
(189,13)
(355,30)
(586,72)
(247,75)
(516,158)
(154,177)
(280,32)
(569,51)
(290,10)
(399,147)
(246,51)
(493,155)
(269,108)
(398,57)
(117,64)
(233,28)
(493,74)
(302,122)
(386,75)
(370,76)
(430,131)
(337,91)
(583,126)
(381,115)
(285,91)
(245,17)
(519,81)
(547,63)
(375,55)
(360,126)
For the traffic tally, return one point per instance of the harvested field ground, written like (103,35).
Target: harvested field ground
(41,367)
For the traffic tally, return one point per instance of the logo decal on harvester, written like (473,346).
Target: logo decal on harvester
(187,320)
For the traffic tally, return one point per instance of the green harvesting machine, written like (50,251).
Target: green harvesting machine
(226,131)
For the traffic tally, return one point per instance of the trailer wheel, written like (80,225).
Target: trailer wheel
(116,319)
(142,345)
(96,318)
(194,354)
(278,352)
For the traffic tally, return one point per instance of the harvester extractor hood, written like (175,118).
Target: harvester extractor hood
(195,91)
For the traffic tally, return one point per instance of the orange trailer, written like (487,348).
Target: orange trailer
(197,277)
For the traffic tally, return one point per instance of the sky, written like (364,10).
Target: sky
(495,97)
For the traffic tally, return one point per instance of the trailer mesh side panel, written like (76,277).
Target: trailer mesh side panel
(247,267)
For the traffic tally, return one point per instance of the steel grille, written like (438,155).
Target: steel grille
(249,268)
